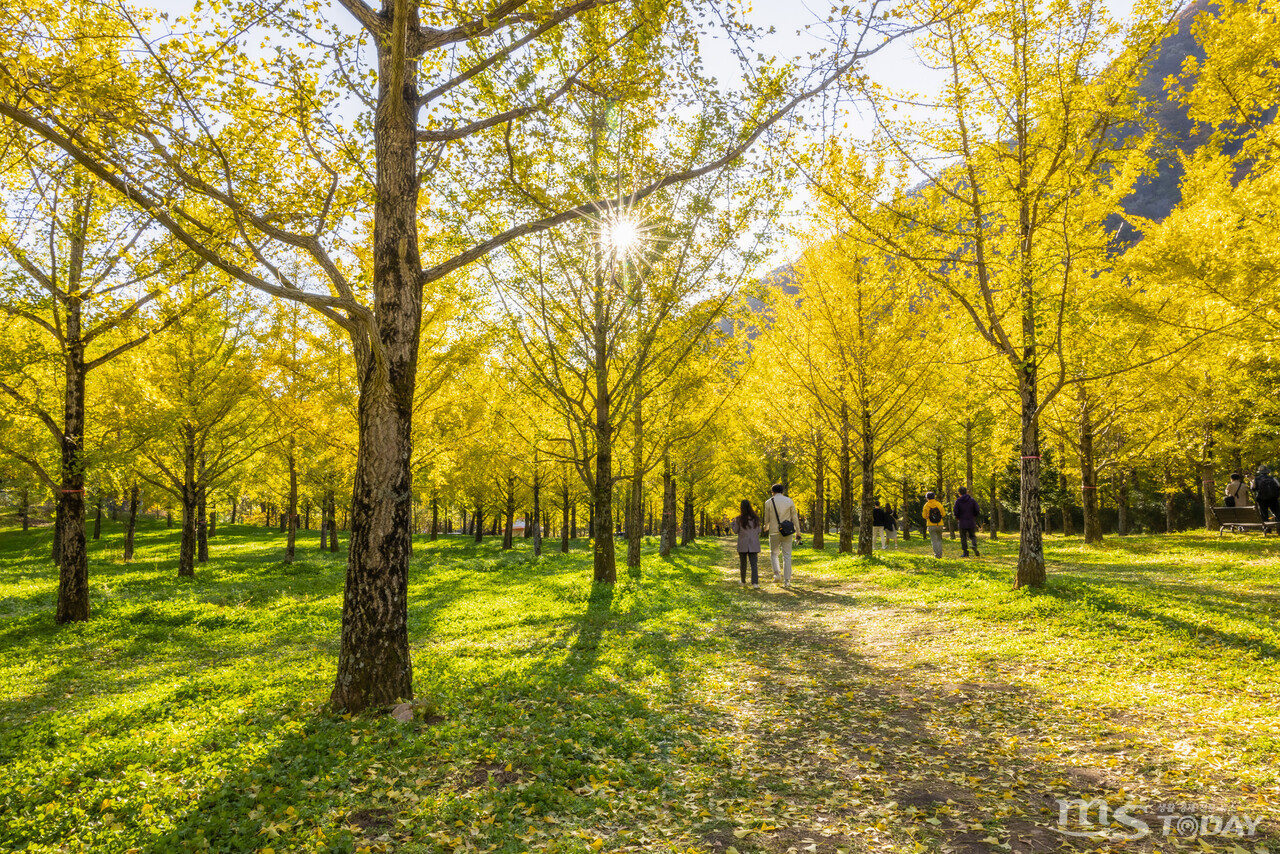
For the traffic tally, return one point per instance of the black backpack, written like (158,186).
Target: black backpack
(1266,488)
(935,516)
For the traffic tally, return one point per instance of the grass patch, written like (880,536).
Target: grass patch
(899,703)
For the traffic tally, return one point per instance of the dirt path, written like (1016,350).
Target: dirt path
(855,725)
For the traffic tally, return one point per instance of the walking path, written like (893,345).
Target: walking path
(856,723)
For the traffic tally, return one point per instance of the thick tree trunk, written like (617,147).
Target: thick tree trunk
(868,461)
(97,519)
(435,516)
(668,509)
(846,484)
(819,523)
(477,523)
(213,522)
(291,544)
(1031,568)
(573,519)
(131,524)
(73,558)
(1088,472)
(235,504)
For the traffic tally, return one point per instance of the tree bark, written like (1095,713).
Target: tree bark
(668,509)
(477,523)
(846,484)
(564,516)
(435,516)
(1088,472)
(687,531)
(213,522)
(190,499)
(1122,504)
(508,528)
(819,524)
(73,557)
(1031,569)
(1208,489)
(537,508)
(291,544)
(26,509)
(202,530)
(635,503)
(131,524)
(97,519)
(868,460)
(1064,504)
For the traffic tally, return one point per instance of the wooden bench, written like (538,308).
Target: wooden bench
(1240,520)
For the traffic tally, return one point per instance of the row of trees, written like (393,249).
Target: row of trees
(527,233)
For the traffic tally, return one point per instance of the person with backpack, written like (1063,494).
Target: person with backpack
(1237,494)
(1266,494)
(966,511)
(747,526)
(782,521)
(933,514)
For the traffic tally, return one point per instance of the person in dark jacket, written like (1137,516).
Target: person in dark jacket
(747,526)
(879,522)
(1266,494)
(966,513)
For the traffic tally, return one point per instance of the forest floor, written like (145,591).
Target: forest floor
(898,703)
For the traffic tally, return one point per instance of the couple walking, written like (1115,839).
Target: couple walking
(782,521)
(966,512)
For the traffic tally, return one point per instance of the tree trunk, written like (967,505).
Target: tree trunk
(1031,569)
(131,524)
(968,455)
(97,519)
(291,544)
(477,523)
(1122,504)
(1064,503)
(819,523)
(1088,473)
(324,522)
(573,518)
(73,558)
(333,523)
(635,503)
(1208,489)
(668,509)
(846,484)
(168,518)
(868,460)
(213,522)
(537,508)
(190,500)
(235,504)
(435,516)
(687,532)
(996,516)
(509,523)
(202,530)
(565,522)
(26,509)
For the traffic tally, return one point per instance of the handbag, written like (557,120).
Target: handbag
(785,526)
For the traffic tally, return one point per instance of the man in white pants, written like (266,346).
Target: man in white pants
(779,510)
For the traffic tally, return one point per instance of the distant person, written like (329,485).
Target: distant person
(933,514)
(1237,494)
(879,521)
(1266,494)
(782,521)
(891,514)
(966,512)
(747,526)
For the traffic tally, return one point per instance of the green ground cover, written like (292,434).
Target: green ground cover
(896,704)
